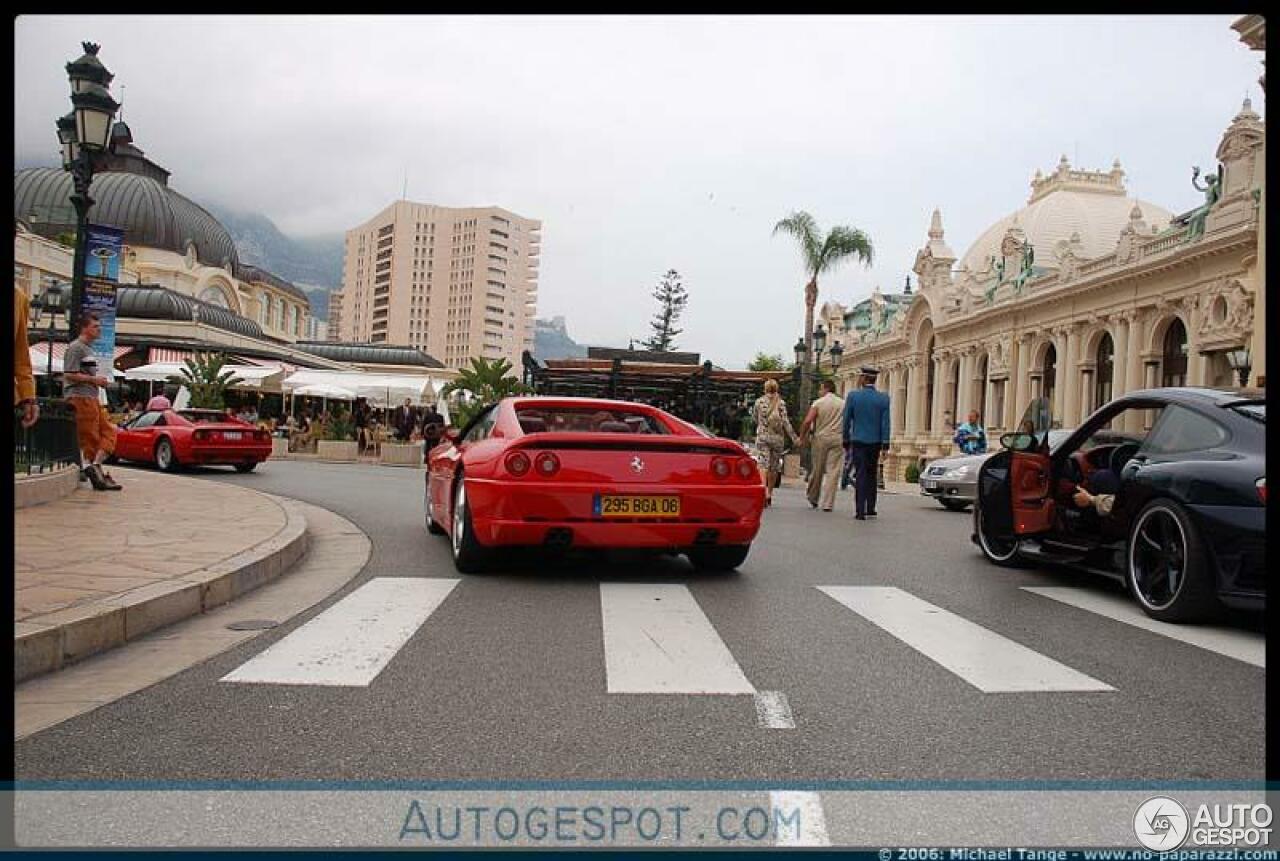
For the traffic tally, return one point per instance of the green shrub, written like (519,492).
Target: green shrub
(340,427)
(913,473)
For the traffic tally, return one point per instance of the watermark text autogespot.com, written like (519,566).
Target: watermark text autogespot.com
(605,824)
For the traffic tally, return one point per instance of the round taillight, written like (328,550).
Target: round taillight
(517,463)
(720,467)
(746,467)
(547,463)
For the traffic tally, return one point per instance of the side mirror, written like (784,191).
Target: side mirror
(1018,441)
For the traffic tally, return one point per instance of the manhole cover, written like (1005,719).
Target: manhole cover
(252,625)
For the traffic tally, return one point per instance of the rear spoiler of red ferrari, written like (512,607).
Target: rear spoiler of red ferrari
(628,442)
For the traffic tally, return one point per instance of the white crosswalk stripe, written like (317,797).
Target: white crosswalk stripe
(1244,646)
(350,643)
(657,640)
(990,662)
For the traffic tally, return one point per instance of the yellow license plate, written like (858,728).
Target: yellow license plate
(636,506)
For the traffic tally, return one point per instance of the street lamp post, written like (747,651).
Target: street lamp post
(1241,363)
(84,134)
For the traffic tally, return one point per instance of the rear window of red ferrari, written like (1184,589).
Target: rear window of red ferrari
(202,417)
(587,420)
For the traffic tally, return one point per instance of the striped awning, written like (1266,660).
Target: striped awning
(41,349)
(39,353)
(167,355)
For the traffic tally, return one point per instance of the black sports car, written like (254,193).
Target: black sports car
(1185,472)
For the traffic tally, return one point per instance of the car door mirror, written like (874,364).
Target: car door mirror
(1018,441)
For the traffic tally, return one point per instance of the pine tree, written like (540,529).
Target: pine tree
(672,298)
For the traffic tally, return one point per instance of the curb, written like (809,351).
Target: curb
(38,489)
(54,640)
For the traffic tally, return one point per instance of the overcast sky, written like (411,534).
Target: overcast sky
(645,144)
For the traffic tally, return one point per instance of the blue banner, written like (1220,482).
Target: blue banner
(104,247)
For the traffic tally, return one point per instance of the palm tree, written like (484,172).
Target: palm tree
(486,381)
(821,255)
(203,375)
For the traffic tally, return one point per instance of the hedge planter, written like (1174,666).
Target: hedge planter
(402,454)
(342,451)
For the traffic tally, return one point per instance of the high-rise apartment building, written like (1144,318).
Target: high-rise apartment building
(456,283)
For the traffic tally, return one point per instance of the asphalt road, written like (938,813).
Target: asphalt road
(507,679)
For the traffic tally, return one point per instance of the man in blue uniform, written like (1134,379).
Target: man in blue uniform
(866,433)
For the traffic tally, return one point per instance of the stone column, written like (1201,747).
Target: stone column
(939,390)
(911,380)
(965,396)
(1086,405)
(1133,370)
(1015,391)
(1072,378)
(1197,361)
(1119,358)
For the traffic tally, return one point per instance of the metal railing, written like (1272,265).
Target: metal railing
(49,443)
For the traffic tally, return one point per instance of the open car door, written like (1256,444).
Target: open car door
(1013,484)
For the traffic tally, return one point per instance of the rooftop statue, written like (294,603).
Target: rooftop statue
(1028,264)
(998,265)
(1212,189)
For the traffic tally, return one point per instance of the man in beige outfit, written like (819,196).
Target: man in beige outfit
(827,454)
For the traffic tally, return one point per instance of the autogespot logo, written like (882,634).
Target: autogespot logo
(1161,824)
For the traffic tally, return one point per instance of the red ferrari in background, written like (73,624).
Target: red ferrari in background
(174,438)
(594,474)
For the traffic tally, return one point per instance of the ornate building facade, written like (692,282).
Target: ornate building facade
(1080,296)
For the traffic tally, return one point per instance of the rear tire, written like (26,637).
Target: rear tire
(469,555)
(724,558)
(247,467)
(1166,567)
(433,527)
(166,460)
(998,551)
(953,504)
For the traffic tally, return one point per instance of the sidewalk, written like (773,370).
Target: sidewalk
(96,569)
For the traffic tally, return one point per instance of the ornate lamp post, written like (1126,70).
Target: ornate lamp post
(84,134)
(49,304)
(819,345)
(837,353)
(1241,363)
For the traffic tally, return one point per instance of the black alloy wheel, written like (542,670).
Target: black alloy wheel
(1167,569)
(998,550)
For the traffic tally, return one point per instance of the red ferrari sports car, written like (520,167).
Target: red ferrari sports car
(174,438)
(594,474)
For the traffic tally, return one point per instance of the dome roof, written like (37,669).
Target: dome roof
(1091,204)
(151,214)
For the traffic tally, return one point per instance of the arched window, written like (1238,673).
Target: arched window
(928,391)
(1050,372)
(264,308)
(1174,360)
(215,296)
(277,317)
(1103,373)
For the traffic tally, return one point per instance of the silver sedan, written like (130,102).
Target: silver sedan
(953,481)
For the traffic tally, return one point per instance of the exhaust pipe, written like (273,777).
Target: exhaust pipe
(559,538)
(706,537)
